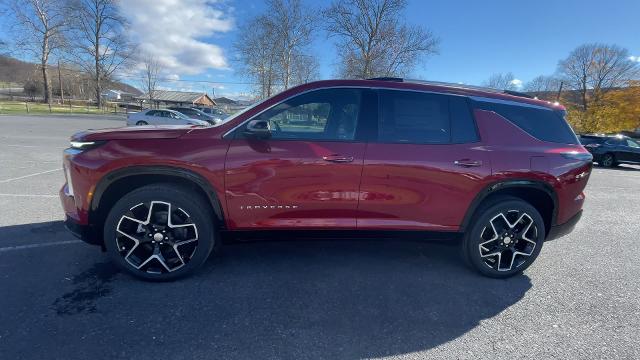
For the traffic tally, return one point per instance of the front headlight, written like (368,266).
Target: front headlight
(85,145)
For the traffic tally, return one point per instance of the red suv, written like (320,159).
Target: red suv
(382,157)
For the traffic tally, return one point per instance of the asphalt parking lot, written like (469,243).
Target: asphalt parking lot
(62,299)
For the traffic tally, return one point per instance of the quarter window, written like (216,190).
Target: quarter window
(543,124)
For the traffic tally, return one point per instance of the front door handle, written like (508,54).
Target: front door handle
(468,163)
(338,158)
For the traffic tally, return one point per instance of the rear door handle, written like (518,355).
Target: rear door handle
(338,158)
(468,163)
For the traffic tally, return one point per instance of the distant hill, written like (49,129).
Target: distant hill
(75,82)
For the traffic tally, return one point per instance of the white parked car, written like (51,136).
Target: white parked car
(162,117)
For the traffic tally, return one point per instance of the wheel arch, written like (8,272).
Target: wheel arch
(539,194)
(121,181)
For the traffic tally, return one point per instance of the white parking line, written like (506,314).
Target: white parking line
(30,175)
(31,246)
(30,195)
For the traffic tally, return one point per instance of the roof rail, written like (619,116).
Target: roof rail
(387,78)
(518,93)
(455,85)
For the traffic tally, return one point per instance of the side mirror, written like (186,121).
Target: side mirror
(258,129)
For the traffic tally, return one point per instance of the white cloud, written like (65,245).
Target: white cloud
(634,58)
(173,77)
(174,31)
(517,83)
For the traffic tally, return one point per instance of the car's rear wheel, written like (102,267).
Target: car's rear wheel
(159,232)
(608,160)
(139,123)
(505,238)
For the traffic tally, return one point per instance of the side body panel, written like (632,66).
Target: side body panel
(288,184)
(516,155)
(419,187)
(200,155)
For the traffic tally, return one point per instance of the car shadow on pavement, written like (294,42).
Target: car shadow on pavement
(307,299)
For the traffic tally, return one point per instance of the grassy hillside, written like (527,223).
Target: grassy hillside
(15,73)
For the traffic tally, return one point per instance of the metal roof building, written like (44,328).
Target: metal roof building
(178,98)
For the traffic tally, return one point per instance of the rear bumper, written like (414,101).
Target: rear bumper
(561,230)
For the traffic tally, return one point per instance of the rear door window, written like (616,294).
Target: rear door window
(425,118)
(414,118)
(539,122)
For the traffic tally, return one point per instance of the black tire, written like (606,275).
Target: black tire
(608,160)
(178,253)
(140,123)
(480,231)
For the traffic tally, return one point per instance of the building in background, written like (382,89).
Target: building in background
(176,98)
(117,95)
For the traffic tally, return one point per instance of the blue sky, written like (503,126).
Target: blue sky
(478,38)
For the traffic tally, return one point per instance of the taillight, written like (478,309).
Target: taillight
(576,155)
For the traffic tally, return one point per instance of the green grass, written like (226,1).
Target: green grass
(20,108)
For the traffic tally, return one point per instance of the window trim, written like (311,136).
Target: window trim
(372,88)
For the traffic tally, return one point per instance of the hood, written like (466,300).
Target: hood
(134,132)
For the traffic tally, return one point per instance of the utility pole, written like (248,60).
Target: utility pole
(60,82)
(560,90)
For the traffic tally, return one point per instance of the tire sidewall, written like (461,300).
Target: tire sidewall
(192,204)
(472,237)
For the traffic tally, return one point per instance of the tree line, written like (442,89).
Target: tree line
(274,48)
(598,83)
(89,34)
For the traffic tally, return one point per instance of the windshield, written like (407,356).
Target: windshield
(181,115)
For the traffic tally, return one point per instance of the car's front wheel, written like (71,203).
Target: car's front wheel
(505,238)
(159,232)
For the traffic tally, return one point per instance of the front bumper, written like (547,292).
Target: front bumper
(83,232)
(561,230)
(73,221)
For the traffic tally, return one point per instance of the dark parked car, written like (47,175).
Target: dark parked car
(216,113)
(611,150)
(195,114)
(501,172)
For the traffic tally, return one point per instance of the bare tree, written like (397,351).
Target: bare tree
(150,72)
(501,81)
(543,87)
(593,69)
(305,69)
(272,47)
(292,25)
(100,45)
(257,55)
(38,29)
(373,41)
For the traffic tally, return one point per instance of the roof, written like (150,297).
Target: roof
(419,85)
(225,101)
(174,96)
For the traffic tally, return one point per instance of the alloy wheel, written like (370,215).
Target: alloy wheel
(607,160)
(156,237)
(508,240)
